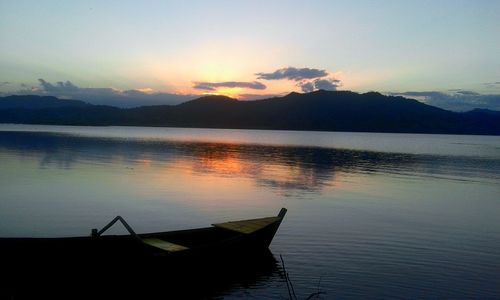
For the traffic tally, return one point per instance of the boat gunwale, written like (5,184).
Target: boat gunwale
(279,219)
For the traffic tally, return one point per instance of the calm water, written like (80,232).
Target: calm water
(370,215)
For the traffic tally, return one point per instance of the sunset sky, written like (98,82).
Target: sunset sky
(249,48)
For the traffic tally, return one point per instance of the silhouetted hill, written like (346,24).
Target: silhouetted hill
(320,110)
(208,100)
(37,102)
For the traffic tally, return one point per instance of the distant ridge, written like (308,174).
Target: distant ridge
(319,110)
(37,102)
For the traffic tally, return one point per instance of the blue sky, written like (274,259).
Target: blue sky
(172,46)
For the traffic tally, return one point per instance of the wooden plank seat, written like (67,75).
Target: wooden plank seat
(164,245)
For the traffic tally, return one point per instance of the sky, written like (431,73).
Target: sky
(154,51)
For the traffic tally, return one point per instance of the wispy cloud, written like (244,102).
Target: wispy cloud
(103,96)
(456,100)
(212,86)
(292,73)
(467,93)
(495,84)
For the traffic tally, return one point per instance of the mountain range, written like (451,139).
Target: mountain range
(319,111)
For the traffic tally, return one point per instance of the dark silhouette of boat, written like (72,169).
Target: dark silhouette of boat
(195,263)
(228,238)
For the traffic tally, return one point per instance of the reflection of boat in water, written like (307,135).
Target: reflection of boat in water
(210,279)
(199,263)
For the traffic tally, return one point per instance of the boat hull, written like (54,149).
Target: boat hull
(214,259)
(201,243)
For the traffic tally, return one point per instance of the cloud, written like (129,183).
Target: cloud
(327,84)
(58,87)
(103,96)
(467,93)
(457,100)
(211,86)
(306,86)
(292,73)
(308,79)
(495,84)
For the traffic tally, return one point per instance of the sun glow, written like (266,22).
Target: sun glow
(224,91)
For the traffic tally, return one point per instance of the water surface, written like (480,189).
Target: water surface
(370,215)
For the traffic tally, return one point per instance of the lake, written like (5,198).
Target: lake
(370,215)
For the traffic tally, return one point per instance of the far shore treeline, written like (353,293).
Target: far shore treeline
(317,111)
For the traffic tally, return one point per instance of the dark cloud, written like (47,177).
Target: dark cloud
(306,86)
(308,79)
(292,73)
(58,87)
(102,96)
(211,86)
(458,100)
(327,84)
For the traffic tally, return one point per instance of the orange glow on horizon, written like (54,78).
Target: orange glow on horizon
(145,90)
(229,92)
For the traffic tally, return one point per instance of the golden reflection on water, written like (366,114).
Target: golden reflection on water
(226,169)
(222,160)
(223,168)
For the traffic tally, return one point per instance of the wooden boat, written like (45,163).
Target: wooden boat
(222,239)
(186,264)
